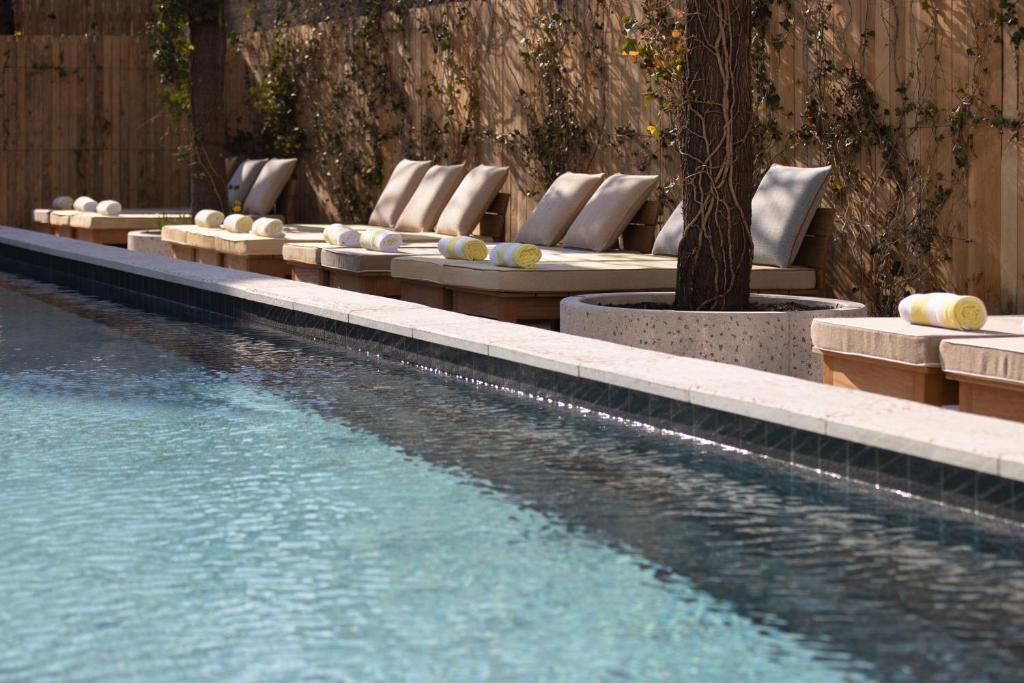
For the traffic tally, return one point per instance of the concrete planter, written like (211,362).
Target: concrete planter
(149,242)
(764,340)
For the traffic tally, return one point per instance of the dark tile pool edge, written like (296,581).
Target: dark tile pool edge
(966,489)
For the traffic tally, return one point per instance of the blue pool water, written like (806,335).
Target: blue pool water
(211,501)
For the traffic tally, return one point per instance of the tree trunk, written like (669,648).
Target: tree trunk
(717,158)
(7,26)
(207,182)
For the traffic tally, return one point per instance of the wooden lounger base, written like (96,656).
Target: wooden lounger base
(183,252)
(312,275)
(264,265)
(990,397)
(45,228)
(919,383)
(209,257)
(377,284)
(112,237)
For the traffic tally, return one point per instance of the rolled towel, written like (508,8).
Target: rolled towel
(940,309)
(108,207)
(209,218)
(515,255)
(463,248)
(63,203)
(381,240)
(268,227)
(341,235)
(238,222)
(83,203)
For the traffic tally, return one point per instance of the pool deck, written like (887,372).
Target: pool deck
(985,445)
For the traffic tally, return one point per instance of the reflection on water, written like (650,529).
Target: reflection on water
(428,482)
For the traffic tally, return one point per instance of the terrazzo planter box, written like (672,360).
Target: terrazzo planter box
(776,341)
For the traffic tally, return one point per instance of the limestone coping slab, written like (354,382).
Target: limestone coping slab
(984,444)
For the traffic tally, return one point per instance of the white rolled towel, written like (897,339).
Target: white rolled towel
(63,203)
(209,218)
(462,248)
(109,207)
(268,227)
(341,235)
(381,240)
(83,203)
(238,222)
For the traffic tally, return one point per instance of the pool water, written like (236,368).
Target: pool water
(210,500)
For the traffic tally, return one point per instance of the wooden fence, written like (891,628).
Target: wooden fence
(81,17)
(83,115)
(896,44)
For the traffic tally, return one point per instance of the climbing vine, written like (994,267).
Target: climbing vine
(899,159)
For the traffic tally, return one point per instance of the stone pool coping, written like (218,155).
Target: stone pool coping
(982,444)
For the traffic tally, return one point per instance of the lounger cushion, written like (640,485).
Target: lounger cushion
(895,340)
(564,272)
(1000,359)
(366,261)
(248,244)
(61,217)
(427,203)
(605,216)
(547,224)
(41,216)
(782,210)
(230,164)
(274,175)
(398,191)
(242,180)
(467,206)
(303,252)
(125,221)
(667,243)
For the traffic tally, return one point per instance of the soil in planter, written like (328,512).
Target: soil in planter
(753,307)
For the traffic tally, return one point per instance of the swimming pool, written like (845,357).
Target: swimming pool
(207,500)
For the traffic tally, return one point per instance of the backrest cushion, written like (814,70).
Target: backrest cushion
(396,193)
(274,175)
(549,221)
(667,243)
(429,199)
(782,210)
(467,206)
(242,180)
(605,216)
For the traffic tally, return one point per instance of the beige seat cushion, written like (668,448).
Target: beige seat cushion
(202,238)
(272,179)
(548,222)
(61,217)
(566,271)
(467,206)
(247,244)
(41,216)
(1000,359)
(605,216)
(303,252)
(398,191)
(175,234)
(894,339)
(782,209)
(242,179)
(427,203)
(125,221)
(365,261)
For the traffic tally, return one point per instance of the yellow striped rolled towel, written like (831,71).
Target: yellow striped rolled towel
(84,203)
(940,309)
(381,240)
(268,227)
(341,235)
(238,222)
(109,207)
(209,218)
(462,248)
(63,203)
(515,255)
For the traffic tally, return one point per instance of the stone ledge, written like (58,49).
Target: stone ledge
(974,442)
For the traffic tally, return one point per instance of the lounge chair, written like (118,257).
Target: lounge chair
(893,357)
(447,202)
(989,373)
(642,262)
